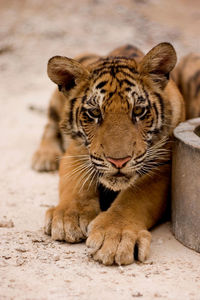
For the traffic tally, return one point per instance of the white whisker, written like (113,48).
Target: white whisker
(92,179)
(83,174)
(87,177)
(80,168)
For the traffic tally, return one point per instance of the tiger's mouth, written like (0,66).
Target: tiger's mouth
(120,174)
(112,178)
(118,181)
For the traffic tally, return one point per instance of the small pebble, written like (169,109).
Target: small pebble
(37,240)
(6,257)
(137,295)
(21,249)
(56,257)
(121,269)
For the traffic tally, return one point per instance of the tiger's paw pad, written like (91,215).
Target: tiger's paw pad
(114,246)
(67,224)
(46,160)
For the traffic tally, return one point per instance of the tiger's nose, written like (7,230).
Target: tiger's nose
(119,162)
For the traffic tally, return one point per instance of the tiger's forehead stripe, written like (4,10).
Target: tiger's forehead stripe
(113,88)
(112,66)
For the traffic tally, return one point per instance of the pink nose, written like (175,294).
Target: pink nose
(119,162)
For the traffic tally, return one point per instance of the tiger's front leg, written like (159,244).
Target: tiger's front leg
(79,203)
(50,150)
(114,234)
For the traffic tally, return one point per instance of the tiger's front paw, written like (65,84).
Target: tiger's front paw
(46,159)
(111,241)
(67,224)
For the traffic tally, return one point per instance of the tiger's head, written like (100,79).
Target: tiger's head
(117,108)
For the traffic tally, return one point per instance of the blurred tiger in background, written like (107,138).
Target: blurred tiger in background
(187,78)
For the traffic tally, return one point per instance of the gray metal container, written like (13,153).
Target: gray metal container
(186,184)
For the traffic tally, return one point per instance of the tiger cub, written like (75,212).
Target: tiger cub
(187,78)
(118,113)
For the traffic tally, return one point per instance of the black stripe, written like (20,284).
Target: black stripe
(77,134)
(80,134)
(154,131)
(97,76)
(113,71)
(115,68)
(71,110)
(119,81)
(97,158)
(147,97)
(139,156)
(111,94)
(84,98)
(151,124)
(98,165)
(131,69)
(77,111)
(156,110)
(128,89)
(161,102)
(101,84)
(98,70)
(127,74)
(128,82)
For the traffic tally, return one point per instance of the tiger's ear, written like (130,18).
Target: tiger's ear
(66,73)
(158,63)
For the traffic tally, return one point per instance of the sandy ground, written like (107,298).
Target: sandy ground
(32,266)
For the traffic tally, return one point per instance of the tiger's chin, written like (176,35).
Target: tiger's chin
(118,183)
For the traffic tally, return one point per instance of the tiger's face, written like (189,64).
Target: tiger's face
(116,108)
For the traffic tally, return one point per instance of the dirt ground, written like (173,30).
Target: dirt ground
(32,266)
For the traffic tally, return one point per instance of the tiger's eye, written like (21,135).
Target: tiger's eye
(94,113)
(138,111)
